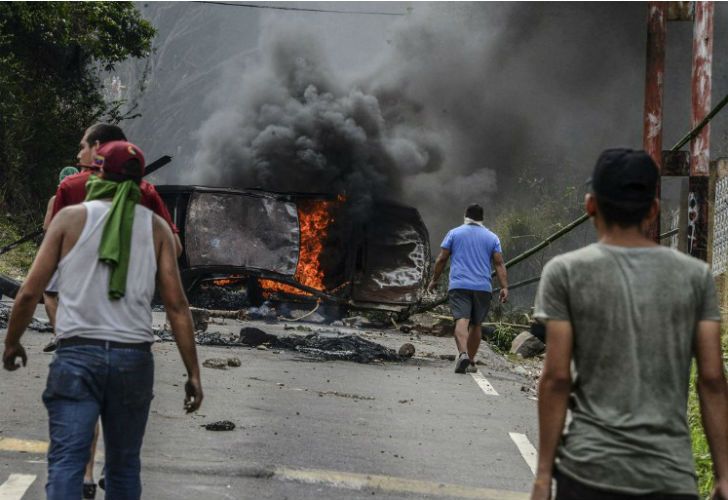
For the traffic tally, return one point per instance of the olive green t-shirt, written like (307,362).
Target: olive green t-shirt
(634,313)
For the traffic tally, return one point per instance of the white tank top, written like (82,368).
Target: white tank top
(84,307)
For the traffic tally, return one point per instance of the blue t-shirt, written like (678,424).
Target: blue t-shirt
(471,250)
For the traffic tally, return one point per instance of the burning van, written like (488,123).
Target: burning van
(296,246)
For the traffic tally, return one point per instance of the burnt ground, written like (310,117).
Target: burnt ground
(307,428)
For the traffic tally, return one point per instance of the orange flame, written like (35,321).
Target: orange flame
(314,219)
(226,281)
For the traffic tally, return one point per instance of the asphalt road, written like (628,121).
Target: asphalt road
(305,429)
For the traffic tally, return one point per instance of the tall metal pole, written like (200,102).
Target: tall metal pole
(700,143)
(652,130)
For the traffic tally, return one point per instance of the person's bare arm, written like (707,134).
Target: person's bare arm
(553,400)
(30,293)
(440,263)
(713,395)
(500,271)
(178,312)
(49,213)
(177,245)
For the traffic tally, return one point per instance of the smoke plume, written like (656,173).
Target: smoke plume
(465,100)
(297,127)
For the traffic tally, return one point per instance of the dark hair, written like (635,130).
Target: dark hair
(104,132)
(131,170)
(623,213)
(474,212)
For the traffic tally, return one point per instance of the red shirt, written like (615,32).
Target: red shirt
(72,191)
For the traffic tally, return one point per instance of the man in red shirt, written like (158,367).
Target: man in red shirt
(73,189)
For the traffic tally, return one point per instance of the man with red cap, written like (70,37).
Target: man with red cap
(109,252)
(71,191)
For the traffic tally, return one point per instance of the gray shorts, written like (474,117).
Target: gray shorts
(469,304)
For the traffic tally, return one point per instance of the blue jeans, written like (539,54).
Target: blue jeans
(85,382)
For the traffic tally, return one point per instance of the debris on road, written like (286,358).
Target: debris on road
(216,363)
(35,324)
(339,347)
(527,346)
(334,346)
(234,362)
(200,319)
(407,350)
(345,395)
(222,425)
(255,336)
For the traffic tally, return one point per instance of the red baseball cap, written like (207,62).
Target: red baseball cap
(112,155)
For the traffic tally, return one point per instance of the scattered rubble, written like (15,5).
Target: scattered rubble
(218,297)
(35,324)
(216,363)
(222,363)
(345,395)
(255,336)
(338,347)
(407,350)
(335,346)
(527,346)
(222,425)
(200,318)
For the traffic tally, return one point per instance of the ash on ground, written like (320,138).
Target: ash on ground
(321,345)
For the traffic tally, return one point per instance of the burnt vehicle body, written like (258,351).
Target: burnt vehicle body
(301,246)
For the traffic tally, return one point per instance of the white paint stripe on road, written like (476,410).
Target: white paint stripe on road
(352,481)
(528,452)
(16,486)
(484,384)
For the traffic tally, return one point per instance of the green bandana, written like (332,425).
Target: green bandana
(115,244)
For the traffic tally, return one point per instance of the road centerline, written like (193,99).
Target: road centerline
(527,450)
(484,384)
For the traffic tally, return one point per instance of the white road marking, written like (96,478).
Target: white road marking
(389,484)
(16,486)
(484,384)
(528,452)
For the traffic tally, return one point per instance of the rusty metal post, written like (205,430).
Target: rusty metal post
(652,131)
(698,199)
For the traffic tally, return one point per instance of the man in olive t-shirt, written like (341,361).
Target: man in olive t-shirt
(630,314)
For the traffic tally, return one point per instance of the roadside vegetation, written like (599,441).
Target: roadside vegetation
(15,263)
(701,452)
(51,57)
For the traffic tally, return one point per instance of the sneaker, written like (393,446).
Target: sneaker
(471,368)
(462,363)
(89,490)
(52,346)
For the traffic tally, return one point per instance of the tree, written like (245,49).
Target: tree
(51,57)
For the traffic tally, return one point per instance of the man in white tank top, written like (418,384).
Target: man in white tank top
(108,251)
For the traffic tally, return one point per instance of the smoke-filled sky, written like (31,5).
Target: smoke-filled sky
(446,105)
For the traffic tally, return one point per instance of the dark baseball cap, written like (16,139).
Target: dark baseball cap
(625,175)
(111,156)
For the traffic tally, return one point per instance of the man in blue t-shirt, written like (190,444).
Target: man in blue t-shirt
(471,247)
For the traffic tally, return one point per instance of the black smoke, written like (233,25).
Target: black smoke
(466,100)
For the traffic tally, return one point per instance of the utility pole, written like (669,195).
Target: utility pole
(698,184)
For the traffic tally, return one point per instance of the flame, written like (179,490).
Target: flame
(314,219)
(227,281)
